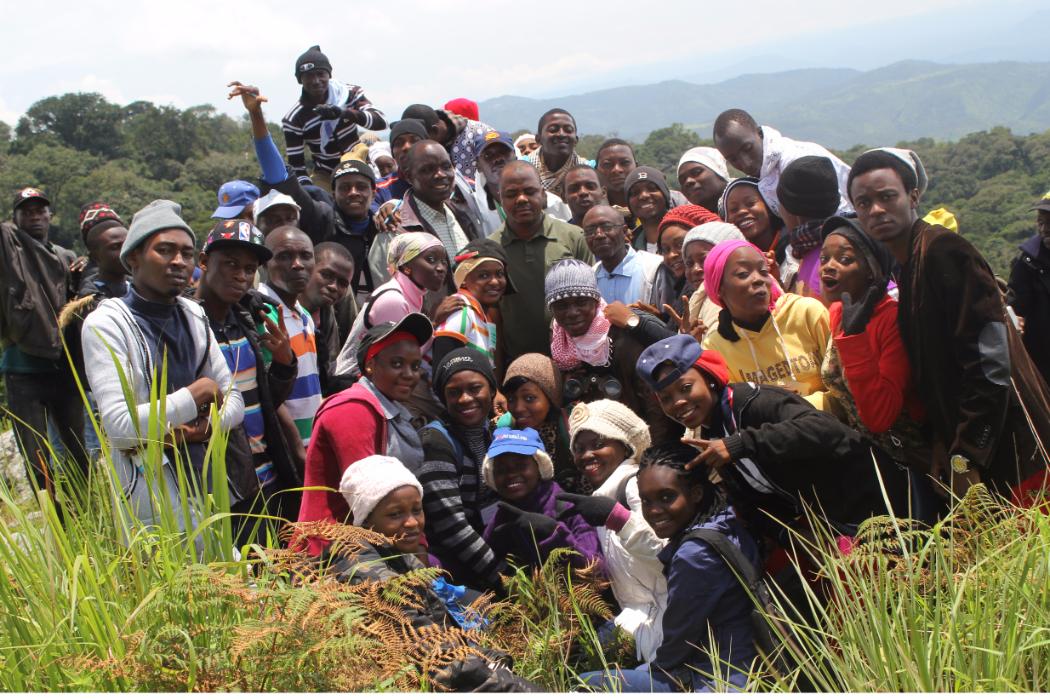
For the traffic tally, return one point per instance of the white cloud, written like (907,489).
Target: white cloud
(403,52)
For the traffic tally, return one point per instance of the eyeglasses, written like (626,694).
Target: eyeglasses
(604,229)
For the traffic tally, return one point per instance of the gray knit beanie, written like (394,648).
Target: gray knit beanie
(158,215)
(568,279)
(713,232)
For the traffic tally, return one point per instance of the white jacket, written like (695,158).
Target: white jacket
(636,575)
(779,151)
(112,328)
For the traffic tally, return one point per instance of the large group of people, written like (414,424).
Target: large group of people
(489,348)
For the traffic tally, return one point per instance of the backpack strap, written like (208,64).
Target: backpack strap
(456,447)
(731,553)
(621,493)
(368,306)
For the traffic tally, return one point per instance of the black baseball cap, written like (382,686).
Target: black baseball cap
(352,166)
(27,193)
(415,324)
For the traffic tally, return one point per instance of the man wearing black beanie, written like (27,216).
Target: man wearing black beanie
(808,191)
(326,117)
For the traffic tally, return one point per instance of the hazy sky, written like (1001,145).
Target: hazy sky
(414,51)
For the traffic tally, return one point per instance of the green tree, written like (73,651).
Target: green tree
(663,148)
(82,121)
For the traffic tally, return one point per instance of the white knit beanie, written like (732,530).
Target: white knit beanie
(368,481)
(710,158)
(612,420)
(713,232)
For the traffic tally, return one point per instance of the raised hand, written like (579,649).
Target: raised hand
(855,316)
(276,340)
(249,94)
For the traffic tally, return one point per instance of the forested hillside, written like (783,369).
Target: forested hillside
(81,147)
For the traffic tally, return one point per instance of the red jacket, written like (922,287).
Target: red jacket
(876,367)
(349,426)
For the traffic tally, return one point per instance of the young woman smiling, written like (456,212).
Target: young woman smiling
(369,418)
(704,597)
(607,439)
(772,451)
(455,497)
(481,278)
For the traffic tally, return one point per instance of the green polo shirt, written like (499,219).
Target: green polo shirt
(526,319)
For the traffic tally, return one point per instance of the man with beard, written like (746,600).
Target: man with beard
(533,242)
(326,117)
(328,286)
(556,155)
(249,330)
(648,199)
(583,190)
(761,152)
(495,149)
(288,273)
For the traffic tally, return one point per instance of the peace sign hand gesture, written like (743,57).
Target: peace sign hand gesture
(276,340)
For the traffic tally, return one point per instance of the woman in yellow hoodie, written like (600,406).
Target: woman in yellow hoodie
(765,335)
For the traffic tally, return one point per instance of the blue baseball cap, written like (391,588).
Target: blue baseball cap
(234,196)
(681,353)
(487,138)
(523,442)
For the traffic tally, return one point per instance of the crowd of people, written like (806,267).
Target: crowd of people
(488,348)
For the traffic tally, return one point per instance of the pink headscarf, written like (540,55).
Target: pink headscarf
(715,265)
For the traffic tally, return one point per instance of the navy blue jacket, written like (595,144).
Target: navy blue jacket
(703,594)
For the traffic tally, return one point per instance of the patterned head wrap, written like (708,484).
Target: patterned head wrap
(406,247)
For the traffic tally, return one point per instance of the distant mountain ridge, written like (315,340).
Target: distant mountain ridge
(839,107)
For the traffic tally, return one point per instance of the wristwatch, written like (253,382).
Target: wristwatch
(633,321)
(960,465)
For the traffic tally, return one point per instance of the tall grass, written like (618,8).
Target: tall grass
(98,601)
(963,606)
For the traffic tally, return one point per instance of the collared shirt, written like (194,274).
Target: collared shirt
(445,226)
(402,438)
(305,398)
(526,319)
(629,282)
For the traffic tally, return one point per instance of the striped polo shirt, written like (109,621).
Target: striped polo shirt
(305,398)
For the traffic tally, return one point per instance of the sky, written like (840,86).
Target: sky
(430,51)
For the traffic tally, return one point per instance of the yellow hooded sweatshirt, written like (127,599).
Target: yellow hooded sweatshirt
(787,352)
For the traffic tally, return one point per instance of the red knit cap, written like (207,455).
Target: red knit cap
(463,107)
(688,215)
(712,364)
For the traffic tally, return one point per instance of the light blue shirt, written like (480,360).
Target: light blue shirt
(625,283)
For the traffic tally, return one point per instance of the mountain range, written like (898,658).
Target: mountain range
(839,107)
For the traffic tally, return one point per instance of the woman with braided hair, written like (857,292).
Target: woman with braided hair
(705,600)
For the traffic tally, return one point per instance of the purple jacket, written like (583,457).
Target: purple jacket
(572,531)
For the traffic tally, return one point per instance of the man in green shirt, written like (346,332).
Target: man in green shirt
(533,242)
